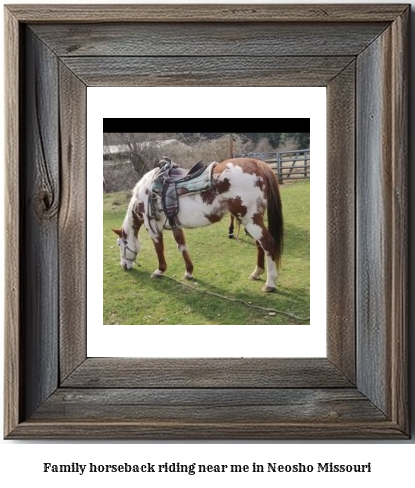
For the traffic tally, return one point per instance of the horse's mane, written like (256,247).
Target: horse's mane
(145,181)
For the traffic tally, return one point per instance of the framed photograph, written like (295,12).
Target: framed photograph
(55,54)
(222,311)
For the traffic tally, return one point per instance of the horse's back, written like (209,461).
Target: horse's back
(246,173)
(248,165)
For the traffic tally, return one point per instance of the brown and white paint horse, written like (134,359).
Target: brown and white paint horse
(243,187)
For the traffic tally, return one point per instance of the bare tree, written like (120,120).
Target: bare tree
(129,156)
(263,146)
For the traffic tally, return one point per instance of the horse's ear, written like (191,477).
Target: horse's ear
(118,232)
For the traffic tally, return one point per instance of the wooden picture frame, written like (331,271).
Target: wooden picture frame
(360,53)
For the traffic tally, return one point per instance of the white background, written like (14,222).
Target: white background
(392,462)
(302,340)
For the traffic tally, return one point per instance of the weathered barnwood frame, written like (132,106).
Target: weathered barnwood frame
(359,52)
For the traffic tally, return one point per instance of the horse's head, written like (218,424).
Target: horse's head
(129,247)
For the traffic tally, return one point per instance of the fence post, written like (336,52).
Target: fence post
(279,173)
(305,164)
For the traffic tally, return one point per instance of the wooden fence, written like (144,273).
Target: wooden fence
(287,165)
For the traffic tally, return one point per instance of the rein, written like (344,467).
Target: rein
(248,304)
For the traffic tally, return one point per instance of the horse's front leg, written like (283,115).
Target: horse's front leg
(159,247)
(178,235)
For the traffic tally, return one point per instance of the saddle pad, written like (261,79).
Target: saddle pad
(202,182)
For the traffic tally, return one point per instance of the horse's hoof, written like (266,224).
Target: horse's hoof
(156,275)
(230,236)
(254,277)
(269,289)
(187,277)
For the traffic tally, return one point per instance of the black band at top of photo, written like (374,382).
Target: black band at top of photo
(166,125)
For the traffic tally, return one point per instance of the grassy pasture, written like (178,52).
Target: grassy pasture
(221,265)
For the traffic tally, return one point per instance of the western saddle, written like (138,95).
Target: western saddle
(171,182)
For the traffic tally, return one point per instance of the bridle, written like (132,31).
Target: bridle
(124,252)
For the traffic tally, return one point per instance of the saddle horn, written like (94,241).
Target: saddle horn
(167,162)
(164,160)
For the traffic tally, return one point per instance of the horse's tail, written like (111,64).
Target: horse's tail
(274,212)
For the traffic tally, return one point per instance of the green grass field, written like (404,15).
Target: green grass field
(221,265)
